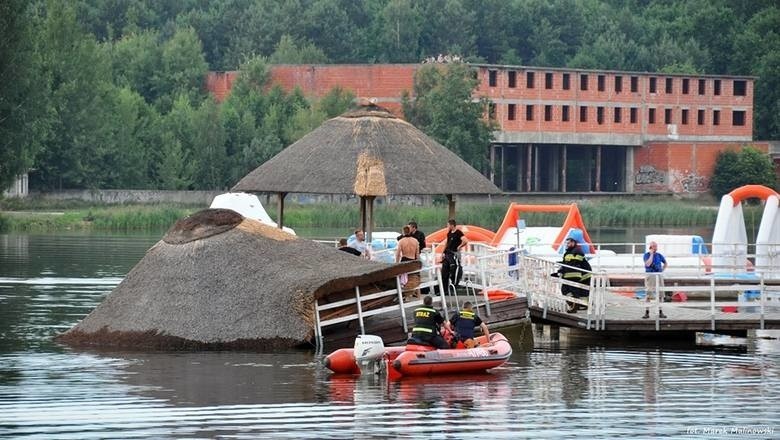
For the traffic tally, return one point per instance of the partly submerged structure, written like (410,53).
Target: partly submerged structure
(368,152)
(218,280)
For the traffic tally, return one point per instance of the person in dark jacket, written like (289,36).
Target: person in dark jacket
(418,235)
(575,268)
(451,270)
(426,325)
(463,323)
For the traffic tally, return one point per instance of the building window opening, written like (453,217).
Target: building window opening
(548,80)
(512,79)
(634,84)
(686,86)
(529,112)
(618,84)
(566,81)
(600,115)
(601,83)
(512,112)
(653,85)
(565,113)
(492,75)
(740,87)
(583,114)
(548,113)
(738,117)
(616,110)
(716,117)
(669,86)
(633,115)
(492,111)
(529,80)
(684,116)
(667,116)
(702,86)
(716,87)
(583,82)
(651,116)
(700,117)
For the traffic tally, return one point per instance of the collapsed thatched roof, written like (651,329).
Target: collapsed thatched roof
(218,280)
(366,152)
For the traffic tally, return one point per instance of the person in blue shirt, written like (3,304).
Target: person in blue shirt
(655,264)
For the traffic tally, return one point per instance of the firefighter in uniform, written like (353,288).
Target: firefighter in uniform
(426,325)
(574,268)
(464,322)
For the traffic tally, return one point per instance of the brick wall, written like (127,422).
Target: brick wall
(678,166)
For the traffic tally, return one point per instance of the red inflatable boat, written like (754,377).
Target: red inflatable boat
(423,360)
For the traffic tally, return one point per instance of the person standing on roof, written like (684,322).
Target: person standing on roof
(575,268)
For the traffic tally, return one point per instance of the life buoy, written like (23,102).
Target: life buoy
(496,295)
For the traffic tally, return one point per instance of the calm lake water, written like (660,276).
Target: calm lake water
(574,387)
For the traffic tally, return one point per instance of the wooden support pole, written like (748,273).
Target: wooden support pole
(369,228)
(451,206)
(280,210)
(363,213)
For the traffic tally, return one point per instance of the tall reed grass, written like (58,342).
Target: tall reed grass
(106,218)
(673,213)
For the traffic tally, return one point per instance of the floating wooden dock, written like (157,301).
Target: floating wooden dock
(679,318)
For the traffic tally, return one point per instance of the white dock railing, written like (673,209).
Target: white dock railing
(753,299)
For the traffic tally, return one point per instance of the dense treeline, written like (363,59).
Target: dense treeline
(110,94)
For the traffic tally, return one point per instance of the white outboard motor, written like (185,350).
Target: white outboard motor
(369,352)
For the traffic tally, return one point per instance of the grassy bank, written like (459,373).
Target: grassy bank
(104,218)
(37,216)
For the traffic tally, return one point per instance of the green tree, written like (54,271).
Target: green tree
(208,147)
(400,29)
(125,157)
(335,102)
(182,69)
(287,52)
(174,168)
(746,167)
(307,118)
(25,111)
(444,109)
(81,98)
(135,62)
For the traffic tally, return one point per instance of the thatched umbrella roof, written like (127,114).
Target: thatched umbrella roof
(218,280)
(368,152)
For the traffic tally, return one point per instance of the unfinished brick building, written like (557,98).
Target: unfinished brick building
(574,130)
